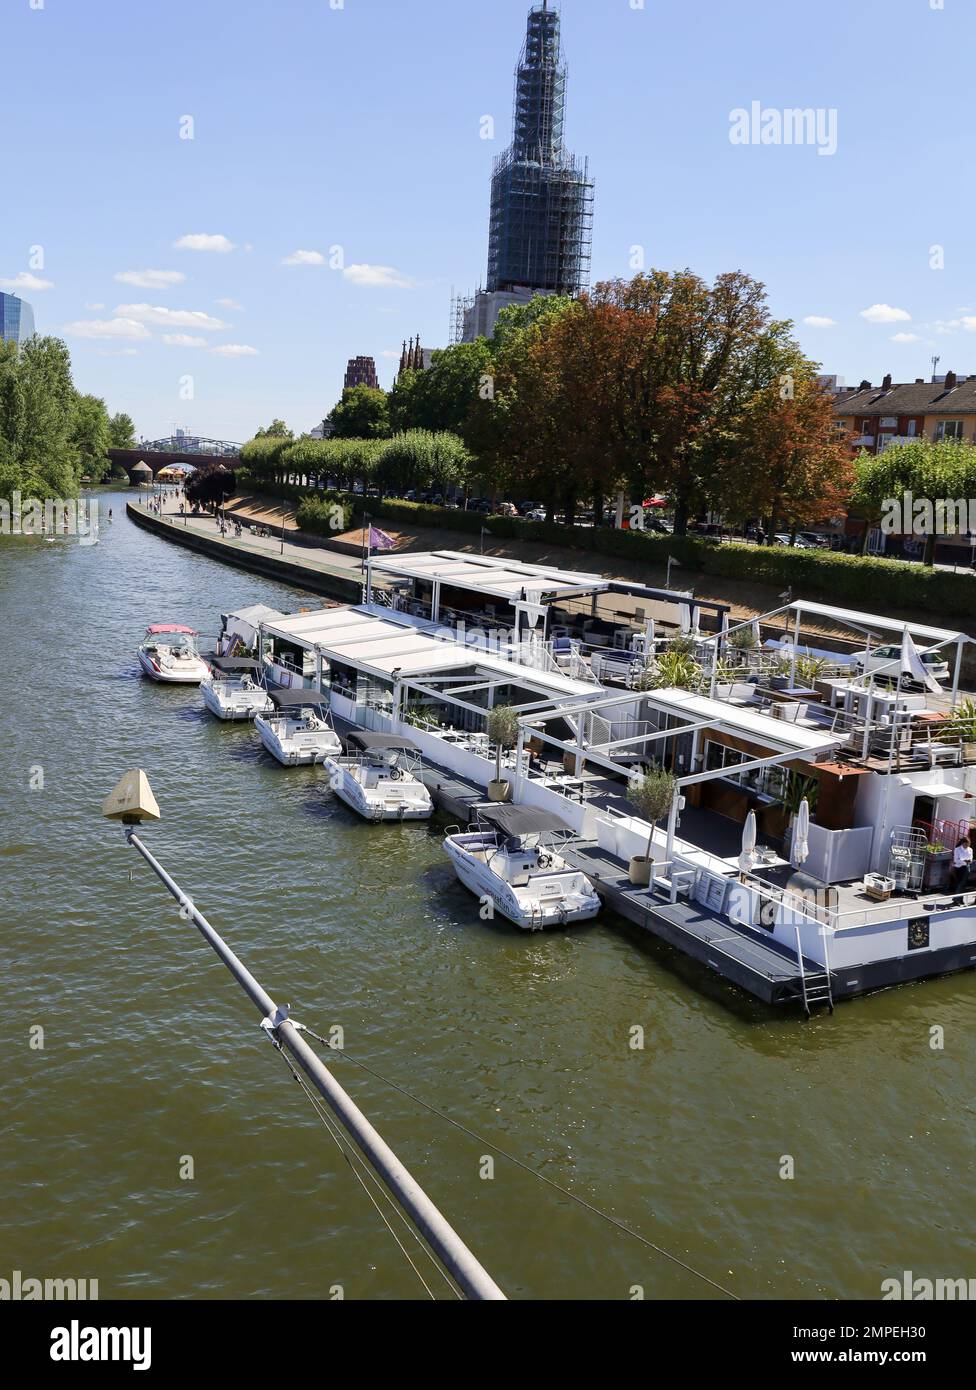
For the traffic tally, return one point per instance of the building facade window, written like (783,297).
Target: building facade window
(948,429)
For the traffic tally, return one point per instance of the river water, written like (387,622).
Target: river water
(152,1056)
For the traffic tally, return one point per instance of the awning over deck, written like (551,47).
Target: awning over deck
(490,576)
(382,645)
(874,622)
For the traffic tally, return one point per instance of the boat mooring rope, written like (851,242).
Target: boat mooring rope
(520,1163)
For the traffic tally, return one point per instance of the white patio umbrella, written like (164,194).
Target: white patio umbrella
(747,854)
(800,847)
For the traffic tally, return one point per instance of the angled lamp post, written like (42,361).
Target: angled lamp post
(132,802)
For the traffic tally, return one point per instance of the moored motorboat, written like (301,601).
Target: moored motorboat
(235,690)
(169,655)
(379,778)
(511,858)
(299,729)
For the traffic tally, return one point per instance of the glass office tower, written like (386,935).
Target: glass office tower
(16,319)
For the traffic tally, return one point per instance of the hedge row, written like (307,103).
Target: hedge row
(855,581)
(325,514)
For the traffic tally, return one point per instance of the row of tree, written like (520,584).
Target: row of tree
(413,459)
(51,436)
(663,383)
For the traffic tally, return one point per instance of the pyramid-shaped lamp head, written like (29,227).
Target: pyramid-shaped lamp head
(132,801)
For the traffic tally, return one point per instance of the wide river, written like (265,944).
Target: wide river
(153,1058)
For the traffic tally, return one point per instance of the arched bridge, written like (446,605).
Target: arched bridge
(157,459)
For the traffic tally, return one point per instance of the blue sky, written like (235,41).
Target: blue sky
(359,127)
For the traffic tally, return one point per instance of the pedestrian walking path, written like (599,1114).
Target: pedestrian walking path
(312,567)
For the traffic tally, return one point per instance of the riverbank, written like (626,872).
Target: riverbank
(272,557)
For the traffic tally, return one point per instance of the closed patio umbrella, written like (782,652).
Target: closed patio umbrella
(747,854)
(800,848)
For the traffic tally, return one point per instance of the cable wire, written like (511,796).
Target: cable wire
(352,1159)
(520,1163)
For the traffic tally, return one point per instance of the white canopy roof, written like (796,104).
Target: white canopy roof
(383,645)
(489,575)
(761,729)
(874,622)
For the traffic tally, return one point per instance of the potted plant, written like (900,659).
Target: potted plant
(742,643)
(503,728)
(964,722)
(652,795)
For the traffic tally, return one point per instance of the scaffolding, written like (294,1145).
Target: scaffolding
(541,195)
(461,304)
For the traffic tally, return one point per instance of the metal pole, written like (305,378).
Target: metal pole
(955,675)
(473,1280)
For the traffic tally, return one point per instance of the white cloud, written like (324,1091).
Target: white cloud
(26,281)
(204,241)
(185,340)
(234,350)
(95,308)
(161,317)
(967,323)
(377,277)
(905,338)
(119,327)
(230,304)
(819,321)
(150,279)
(390,352)
(884,313)
(304,258)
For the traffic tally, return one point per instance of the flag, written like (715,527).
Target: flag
(913,665)
(379,540)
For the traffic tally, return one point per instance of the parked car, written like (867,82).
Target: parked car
(889,659)
(798,543)
(815,539)
(507,509)
(537,514)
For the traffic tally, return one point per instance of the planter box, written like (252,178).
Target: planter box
(936,870)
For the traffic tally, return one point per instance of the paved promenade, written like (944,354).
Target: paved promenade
(316,559)
(324,571)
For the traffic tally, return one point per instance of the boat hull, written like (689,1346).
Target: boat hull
(401,803)
(196,672)
(237,708)
(478,879)
(296,750)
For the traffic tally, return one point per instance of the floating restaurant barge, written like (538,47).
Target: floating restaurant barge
(771,737)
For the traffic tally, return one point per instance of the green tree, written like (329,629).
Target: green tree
(687,373)
(276,430)
(122,431)
(91,435)
(420,458)
(38,455)
(931,472)
(362,413)
(443,397)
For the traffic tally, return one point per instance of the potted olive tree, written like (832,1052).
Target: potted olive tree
(503,727)
(964,724)
(653,795)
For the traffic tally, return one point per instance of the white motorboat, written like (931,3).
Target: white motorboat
(236,690)
(379,778)
(169,655)
(299,729)
(511,858)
